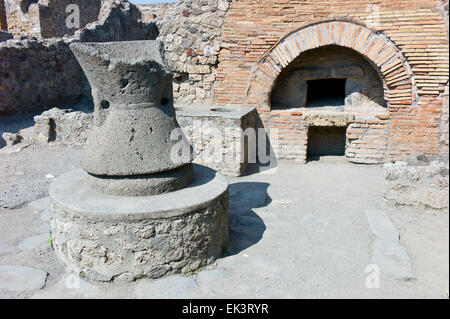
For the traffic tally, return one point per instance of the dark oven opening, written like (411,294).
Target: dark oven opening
(329,92)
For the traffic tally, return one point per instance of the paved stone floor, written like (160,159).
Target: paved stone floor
(302,231)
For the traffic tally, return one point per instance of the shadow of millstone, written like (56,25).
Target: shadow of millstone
(245,226)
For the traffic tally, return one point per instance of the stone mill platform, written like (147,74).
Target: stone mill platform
(105,236)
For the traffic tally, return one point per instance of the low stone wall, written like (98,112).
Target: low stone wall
(65,126)
(217,136)
(419,184)
(36,75)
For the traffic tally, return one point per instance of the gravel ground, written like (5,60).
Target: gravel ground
(301,232)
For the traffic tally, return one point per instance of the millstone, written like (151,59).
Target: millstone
(130,150)
(127,214)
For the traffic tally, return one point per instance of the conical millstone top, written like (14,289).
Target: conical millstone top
(130,150)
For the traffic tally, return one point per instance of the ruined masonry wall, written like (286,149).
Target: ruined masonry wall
(156,11)
(47,18)
(36,75)
(192,33)
(420,186)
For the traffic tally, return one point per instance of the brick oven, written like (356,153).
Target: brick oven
(325,85)
(367,80)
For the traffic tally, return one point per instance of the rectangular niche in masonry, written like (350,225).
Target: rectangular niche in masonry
(326,141)
(331,77)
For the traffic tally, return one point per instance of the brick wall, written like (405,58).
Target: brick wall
(3,25)
(407,42)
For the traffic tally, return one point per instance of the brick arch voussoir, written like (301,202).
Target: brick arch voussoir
(378,50)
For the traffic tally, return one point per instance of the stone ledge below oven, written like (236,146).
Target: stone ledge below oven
(327,118)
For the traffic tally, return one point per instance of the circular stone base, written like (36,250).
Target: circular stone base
(106,237)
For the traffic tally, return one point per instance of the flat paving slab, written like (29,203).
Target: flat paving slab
(18,278)
(174,287)
(35,242)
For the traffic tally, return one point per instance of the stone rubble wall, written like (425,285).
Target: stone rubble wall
(66,126)
(23,22)
(157,11)
(416,184)
(218,139)
(47,18)
(191,31)
(39,74)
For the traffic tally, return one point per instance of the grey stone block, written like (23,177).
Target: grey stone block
(210,128)
(175,287)
(19,278)
(70,286)
(35,242)
(381,225)
(393,259)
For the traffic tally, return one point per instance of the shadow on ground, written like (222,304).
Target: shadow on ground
(245,226)
(261,155)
